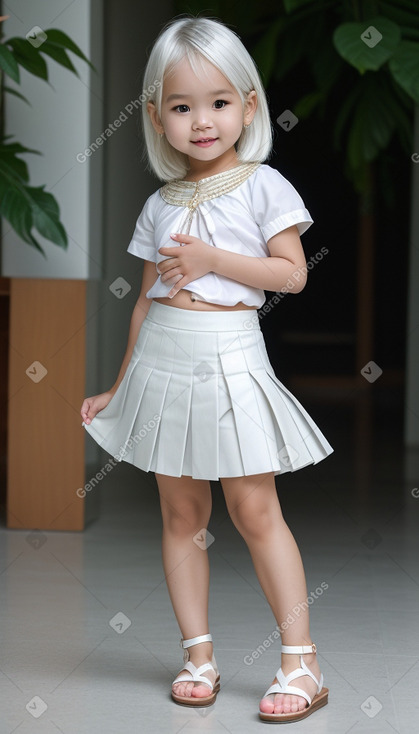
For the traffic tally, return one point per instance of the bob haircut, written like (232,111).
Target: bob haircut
(197,39)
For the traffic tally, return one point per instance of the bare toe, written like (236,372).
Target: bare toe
(267,704)
(201,691)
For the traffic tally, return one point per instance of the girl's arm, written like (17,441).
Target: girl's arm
(285,270)
(287,262)
(138,315)
(93,405)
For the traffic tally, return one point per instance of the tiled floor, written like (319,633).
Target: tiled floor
(69,662)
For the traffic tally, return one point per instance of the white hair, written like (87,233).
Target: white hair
(197,39)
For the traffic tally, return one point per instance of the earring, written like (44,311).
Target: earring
(246,126)
(161,134)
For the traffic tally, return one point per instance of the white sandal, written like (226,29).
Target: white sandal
(197,675)
(319,699)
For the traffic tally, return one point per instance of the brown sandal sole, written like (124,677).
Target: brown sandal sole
(195,700)
(318,701)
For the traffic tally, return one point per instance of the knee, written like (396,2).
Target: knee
(185,519)
(185,504)
(256,521)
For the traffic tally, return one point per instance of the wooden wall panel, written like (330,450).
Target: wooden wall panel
(46,388)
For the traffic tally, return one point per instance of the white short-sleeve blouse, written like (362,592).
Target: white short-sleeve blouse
(242,221)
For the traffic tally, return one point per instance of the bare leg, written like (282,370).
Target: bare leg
(186,509)
(253,505)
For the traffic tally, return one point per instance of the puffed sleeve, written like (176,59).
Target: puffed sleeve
(142,243)
(276,204)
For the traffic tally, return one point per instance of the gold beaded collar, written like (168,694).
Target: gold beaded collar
(192,193)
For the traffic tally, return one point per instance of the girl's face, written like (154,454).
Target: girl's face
(202,117)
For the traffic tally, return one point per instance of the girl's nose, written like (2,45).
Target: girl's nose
(202,121)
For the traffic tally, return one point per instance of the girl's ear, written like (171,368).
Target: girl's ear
(155,119)
(250,107)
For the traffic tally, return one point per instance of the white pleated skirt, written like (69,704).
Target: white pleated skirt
(200,398)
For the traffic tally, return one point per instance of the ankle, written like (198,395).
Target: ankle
(201,652)
(289,662)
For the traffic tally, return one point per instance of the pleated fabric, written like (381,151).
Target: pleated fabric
(200,398)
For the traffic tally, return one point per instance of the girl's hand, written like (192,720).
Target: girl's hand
(186,263)
(92,406)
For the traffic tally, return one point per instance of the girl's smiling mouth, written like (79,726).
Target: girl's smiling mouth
(204,142)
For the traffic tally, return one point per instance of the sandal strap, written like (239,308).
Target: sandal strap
(283,685)
(298,649)
(195,640)
(196,674)
(297,673)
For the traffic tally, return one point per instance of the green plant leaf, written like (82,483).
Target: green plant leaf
(8,63)
(16,166)
(9,90)
(9,153)
(28,57)
(374,121)
(297,37)
(15,147)
(21,206)
(372,52)
(265,51)
(18,217)
(61,40)
(15,208)
(46,215)
(291,50)
(59,55)
(325,64)
(307,104)
(404,67)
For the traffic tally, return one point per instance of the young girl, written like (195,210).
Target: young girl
(196,398)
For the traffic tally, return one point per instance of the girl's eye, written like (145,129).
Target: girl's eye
(219,104)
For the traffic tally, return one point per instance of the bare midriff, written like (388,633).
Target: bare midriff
(182,299)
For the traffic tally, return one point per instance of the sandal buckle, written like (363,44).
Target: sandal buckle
(313,647)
